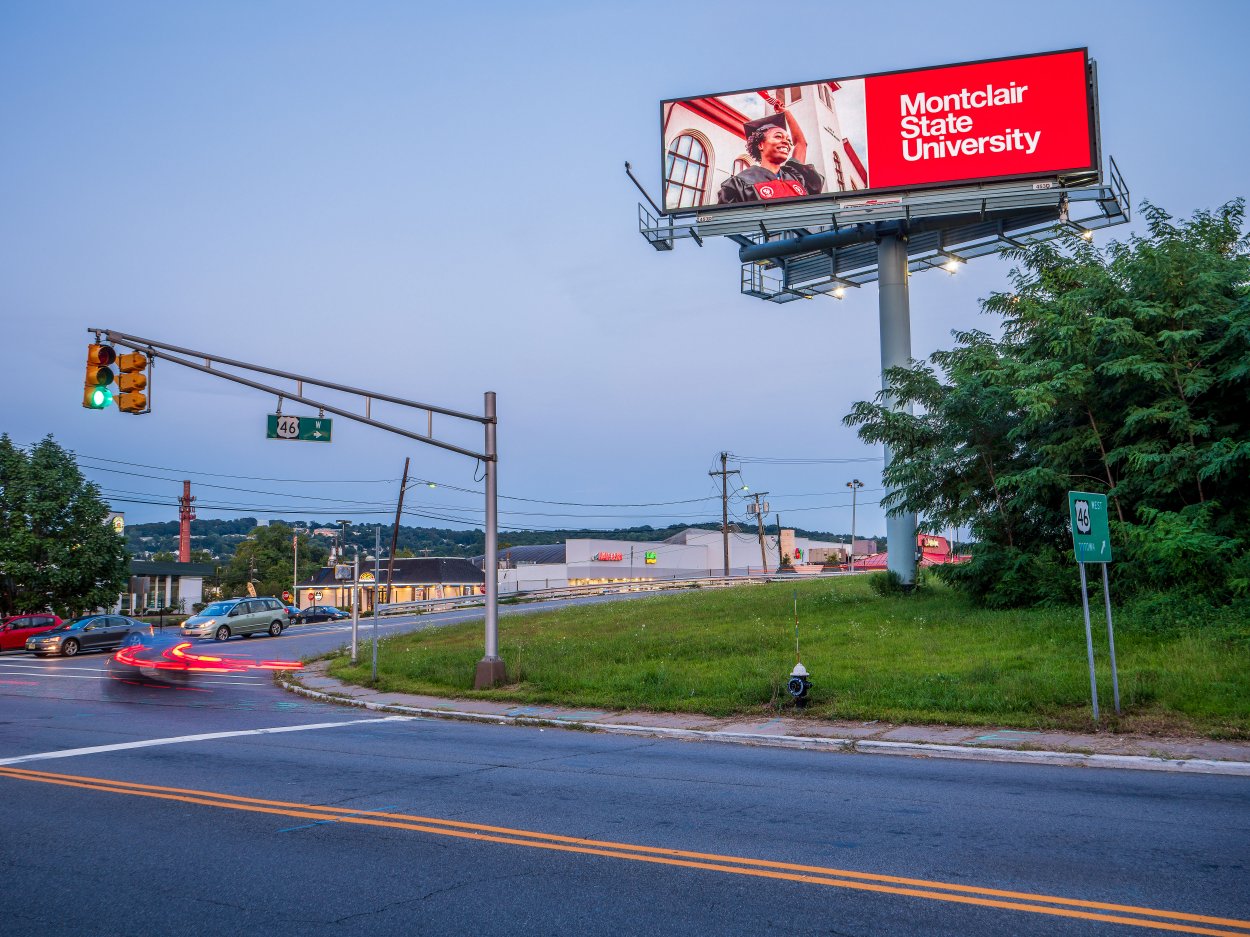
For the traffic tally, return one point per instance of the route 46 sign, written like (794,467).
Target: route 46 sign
(305,428)
(1091,536)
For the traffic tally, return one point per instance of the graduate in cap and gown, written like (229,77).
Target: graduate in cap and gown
(778,146)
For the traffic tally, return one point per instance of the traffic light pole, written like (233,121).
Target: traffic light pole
(490,669)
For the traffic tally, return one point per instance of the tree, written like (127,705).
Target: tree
(57,550)
(266,559)
(1124,370)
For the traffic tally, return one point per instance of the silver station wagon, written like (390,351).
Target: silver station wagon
(222,620)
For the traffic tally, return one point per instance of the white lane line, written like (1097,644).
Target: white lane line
(254,681)
(206,737)
(59,676)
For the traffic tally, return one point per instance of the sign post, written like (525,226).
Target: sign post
(355,605)
(377,577)
(1091,542)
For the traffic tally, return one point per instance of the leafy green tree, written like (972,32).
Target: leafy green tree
(1124,370)
(266,558)
(56,549)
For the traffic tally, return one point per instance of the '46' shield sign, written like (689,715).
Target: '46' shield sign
(1091,535)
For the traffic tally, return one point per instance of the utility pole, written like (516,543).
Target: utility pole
(760,510)
(724,474)
(854,484)
(780,555)
(399,508)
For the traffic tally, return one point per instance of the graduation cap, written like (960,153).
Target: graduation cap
(772,120)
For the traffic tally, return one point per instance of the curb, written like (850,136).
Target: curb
(811,743)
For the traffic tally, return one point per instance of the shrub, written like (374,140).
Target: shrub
(887,583)
(1008,577)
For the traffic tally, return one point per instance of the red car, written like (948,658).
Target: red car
(17,628)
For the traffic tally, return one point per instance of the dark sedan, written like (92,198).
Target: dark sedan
(89,633)
(320,613)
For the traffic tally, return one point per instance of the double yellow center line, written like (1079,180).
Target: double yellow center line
(736,865)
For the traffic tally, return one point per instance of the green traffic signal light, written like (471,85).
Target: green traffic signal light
(96,393)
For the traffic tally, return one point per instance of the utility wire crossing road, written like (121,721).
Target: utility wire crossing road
(1130,915)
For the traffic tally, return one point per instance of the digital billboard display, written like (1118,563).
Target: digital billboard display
(927,128)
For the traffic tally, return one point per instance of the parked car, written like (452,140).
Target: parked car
(15,629)
(89,633)
(222,620)
(320,613)
(292,612)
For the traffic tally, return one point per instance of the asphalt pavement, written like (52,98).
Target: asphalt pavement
(230,805)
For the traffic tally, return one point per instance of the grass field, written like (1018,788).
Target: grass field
(925,658)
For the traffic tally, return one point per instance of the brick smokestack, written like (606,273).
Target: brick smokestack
(186,514)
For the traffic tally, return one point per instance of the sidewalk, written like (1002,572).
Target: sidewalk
(1093,750)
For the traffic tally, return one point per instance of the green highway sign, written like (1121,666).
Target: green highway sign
(306,428)
(1091,536)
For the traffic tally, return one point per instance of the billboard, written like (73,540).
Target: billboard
(928,128)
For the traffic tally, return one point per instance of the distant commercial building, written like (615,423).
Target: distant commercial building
(934,551)
(415,579)
(156,585)
(687,554)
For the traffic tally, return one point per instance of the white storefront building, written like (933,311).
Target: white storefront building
(687,554)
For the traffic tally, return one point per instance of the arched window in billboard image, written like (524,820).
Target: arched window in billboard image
(686,171)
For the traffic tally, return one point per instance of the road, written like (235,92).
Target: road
(119,816)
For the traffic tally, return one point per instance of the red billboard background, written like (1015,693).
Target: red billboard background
(1041,125)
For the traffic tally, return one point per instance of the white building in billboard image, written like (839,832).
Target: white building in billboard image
(705,143)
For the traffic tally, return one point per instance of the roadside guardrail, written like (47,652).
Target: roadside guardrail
(609,588)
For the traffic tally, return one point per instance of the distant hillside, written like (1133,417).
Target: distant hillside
(220,537)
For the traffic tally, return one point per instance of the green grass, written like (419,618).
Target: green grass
(926,658)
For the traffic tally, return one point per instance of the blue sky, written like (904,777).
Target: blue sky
(430,202)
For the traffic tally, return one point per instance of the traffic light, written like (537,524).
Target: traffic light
(96,394)
(132,382)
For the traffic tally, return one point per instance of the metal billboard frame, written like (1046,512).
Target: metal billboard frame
(807,247)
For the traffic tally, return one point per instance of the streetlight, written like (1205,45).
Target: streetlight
(854,484)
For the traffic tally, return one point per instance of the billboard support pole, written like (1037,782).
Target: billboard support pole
(895,315)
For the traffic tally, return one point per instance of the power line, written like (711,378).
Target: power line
(256,478)
(437,484)
(780,460)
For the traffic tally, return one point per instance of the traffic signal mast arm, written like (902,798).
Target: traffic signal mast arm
(490,669)
(170,353)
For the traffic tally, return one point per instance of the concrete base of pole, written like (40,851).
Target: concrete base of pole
(491,672)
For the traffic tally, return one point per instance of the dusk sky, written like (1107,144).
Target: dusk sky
(429,201)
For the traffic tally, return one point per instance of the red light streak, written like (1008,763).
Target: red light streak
(178,658)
